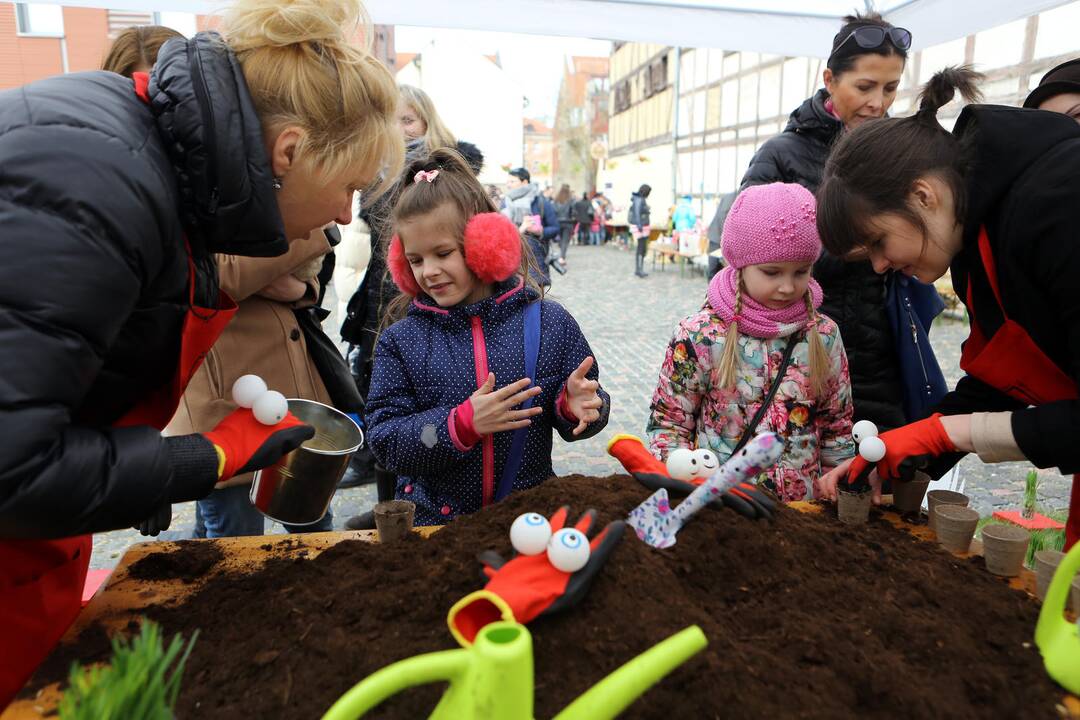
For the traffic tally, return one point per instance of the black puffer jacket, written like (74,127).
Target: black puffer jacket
(854,293)
(97,192)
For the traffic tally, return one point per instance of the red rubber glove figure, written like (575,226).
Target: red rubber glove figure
(744,498)
(527,586)
(907,449)
(244,444)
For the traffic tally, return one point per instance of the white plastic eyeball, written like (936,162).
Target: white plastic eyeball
(681,463)
(270,408)
(706,463)
(568,550)
(529,534)
(247,389)
(872,449)
(862,430)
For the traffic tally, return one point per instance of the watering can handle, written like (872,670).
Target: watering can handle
(392,679)
(1052,620)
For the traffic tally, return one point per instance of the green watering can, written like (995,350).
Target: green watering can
(493,679)
(1057,638)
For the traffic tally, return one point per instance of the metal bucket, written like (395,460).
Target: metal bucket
(297,489)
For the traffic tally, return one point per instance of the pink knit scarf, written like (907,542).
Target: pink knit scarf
(755,319)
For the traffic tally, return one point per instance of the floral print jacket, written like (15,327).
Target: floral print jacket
(689,410)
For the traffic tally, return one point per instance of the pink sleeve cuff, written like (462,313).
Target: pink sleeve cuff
(462,433)
(564,409)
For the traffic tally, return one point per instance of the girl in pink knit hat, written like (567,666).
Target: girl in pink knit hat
(724,359)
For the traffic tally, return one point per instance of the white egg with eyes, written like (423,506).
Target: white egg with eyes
(247,389)
(872,449)
(530,533)
(568,550)
(705,463)
(270,408)
(681,463)
(862,430)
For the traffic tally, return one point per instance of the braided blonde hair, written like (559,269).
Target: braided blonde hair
(819,359)
(729,361)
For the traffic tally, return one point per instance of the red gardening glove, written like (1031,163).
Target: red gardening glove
(245,444)
(744,498)
(527,586)
(907,448)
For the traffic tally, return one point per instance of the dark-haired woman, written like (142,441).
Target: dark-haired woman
(993,201)
(639,219)
(863,72)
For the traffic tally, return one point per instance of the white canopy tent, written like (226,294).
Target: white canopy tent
(781,27)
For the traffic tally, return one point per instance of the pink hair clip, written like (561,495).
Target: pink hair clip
(428,175)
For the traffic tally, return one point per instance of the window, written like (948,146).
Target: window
(622,96)
(646,82)
(658,73)
(39,19)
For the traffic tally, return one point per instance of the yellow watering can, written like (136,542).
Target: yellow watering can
(1057,638)
(493,678)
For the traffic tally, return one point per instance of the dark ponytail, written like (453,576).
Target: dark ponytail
(872,169)
(943,86)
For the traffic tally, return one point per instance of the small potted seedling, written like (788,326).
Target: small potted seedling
(137,684)
(853,504)
(1029,517)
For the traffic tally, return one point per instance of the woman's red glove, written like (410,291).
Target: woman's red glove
(907,448)
(245,444)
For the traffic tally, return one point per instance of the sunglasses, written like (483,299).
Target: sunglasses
(869,37)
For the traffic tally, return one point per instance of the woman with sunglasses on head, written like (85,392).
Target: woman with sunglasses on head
(994,203)
(863,72)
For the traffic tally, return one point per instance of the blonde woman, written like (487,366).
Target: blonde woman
(116,193)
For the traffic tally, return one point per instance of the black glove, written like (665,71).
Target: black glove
(158,522)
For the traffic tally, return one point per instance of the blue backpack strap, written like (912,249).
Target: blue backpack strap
(517,442)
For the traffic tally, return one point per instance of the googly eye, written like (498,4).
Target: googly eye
(680,463)
(568,550)
(270,407)
(862,430)
(247,389)
(529,534)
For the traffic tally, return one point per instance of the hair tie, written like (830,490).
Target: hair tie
(428,175)
(736,318)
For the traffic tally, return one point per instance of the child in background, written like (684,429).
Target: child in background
(723,360)
(450,387)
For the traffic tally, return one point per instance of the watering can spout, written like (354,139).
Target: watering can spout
(1058,639)
(613,694)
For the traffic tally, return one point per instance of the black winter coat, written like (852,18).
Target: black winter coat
(1022,187)
(583,212)
(854,293)
(639,213)
(97,193)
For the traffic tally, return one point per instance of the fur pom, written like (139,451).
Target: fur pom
(492,247)
(399,268)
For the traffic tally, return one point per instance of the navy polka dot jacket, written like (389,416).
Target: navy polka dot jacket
(425,366)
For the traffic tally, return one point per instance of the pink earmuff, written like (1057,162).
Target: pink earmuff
(492,252)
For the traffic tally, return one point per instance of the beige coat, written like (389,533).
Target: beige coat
(264,339)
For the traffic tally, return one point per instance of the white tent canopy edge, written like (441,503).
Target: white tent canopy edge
(764,26)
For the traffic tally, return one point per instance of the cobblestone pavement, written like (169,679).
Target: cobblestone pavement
(628,322)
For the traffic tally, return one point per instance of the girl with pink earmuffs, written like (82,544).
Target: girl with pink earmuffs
(476,369)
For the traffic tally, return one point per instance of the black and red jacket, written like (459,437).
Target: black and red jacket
(1023,186)
(98,191)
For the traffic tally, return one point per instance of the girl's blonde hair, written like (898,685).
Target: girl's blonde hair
(457,187)
(819,359)
(437,135)
(304,69)
(137,47)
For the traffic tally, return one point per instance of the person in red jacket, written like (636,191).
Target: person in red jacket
(115,193)
(994,201)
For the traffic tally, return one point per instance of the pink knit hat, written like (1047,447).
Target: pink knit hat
(771,223)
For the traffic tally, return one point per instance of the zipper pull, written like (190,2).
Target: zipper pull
(212,203)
